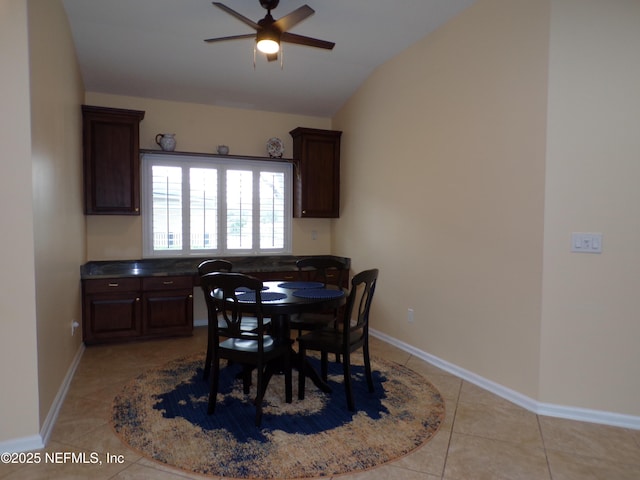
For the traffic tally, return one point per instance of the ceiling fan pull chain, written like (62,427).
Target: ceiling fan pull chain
(254,56)
(281,58)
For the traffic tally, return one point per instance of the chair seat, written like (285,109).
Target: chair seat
(311,321)
(328,339)
(246,345)
(248,323)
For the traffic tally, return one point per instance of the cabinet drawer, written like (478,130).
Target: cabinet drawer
(104,285)
(166,283)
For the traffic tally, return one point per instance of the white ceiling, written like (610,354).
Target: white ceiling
(155,48)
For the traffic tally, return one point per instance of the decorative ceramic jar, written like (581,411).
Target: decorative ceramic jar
(166,141)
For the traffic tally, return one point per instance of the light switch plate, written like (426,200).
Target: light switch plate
(586,242)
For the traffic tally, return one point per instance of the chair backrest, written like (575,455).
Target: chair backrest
(211,266)
(355,324)
(223,292)
(328,270)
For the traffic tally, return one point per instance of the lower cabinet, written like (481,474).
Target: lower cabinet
(112,310)
(167,306)
(133,308)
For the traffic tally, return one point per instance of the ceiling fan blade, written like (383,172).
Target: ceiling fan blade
(272,57)
(232,37)
(308,41)
(239,16)
(288,21)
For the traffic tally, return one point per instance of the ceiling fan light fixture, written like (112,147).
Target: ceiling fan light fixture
(267,42)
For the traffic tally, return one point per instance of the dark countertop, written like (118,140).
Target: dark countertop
(155,267)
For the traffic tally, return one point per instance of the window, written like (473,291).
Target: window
(196,205)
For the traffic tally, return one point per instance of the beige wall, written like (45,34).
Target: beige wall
(513,131)
(443,188)
(18,358)
(590,321)
(56,139)
(200,128)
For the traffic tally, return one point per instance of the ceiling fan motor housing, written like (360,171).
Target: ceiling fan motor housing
(269,4)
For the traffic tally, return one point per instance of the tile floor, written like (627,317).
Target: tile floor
(483,436)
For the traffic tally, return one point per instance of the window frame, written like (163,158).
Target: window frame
(222,164)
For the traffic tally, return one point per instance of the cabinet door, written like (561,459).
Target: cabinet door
(111,309)
(111,160)
(168,312)
(317,177)
(111,316)
(167,305)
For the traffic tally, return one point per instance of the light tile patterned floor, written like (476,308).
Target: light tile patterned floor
(483,436)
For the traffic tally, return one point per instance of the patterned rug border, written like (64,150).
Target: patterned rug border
(430,429)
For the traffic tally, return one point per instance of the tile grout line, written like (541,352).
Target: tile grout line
(544,447)
(453,422)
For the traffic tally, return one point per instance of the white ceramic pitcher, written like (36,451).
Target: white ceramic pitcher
(166,141)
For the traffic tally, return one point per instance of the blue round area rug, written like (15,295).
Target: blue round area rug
(162,414)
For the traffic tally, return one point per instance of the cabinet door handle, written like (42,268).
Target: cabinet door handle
(168,282)
(190,296)
(137,299)
(113,284)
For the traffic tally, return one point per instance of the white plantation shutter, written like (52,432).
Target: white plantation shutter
(203,206)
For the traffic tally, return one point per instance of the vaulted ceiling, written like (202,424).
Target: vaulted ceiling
(155,48)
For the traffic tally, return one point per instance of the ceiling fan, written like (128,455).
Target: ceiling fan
(270,32)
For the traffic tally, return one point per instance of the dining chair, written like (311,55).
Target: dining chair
(330,271)
(254,348)
(249,323)
(352,334)
(212,266)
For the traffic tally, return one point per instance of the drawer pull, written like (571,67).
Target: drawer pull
(114,284)
(288,277)
(137,299)
(168,282)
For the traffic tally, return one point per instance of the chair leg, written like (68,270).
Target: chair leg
(346,367)
(324,365)
(213,393)
(301,374)
(207,365)
(288,387)
(367,366)
(259,394)
(207,362)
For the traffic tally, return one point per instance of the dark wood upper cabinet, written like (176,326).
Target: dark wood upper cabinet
(111,160)
(316,190)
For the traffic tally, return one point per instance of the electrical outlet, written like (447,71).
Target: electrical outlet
(410,315)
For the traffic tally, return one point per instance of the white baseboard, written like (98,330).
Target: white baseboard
(540,408)
(52,416)
(33,442)
(36,442)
